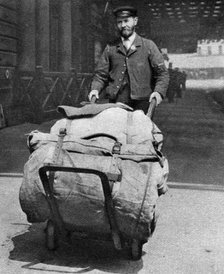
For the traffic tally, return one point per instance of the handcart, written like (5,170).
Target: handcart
(56,228)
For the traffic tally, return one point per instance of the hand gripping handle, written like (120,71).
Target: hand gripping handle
(152,107)
(93,99)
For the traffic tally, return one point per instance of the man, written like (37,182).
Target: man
(172,84)
(132,69)
(183,80)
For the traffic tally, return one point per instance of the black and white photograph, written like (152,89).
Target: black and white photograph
(112,136)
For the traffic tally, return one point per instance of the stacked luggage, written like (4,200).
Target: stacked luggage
(98,172)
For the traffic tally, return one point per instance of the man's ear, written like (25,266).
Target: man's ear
(136,20)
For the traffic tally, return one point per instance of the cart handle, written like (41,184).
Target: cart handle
(93,99)
(152,108)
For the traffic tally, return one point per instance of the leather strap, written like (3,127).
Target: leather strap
(129,125)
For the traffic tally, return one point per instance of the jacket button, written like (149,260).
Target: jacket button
(122,72)
(117,86)
(120,79)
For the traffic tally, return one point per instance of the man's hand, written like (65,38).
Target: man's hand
(157,96)
(93,93)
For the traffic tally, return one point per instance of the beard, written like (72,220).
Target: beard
(127,32)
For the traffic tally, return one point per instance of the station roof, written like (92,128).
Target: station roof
(185,10)
(179,24)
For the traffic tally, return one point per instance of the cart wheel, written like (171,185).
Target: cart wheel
(51,236)
(136,250)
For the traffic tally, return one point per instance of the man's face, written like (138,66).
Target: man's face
(126,25)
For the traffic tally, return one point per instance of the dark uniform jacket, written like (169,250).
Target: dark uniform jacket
(144,63)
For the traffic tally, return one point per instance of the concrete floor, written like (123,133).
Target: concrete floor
(188,239)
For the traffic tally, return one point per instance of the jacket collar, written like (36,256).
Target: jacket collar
(137,43)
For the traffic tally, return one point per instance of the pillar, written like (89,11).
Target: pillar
(26,22)
(64,50)
(76,35)
(42,34)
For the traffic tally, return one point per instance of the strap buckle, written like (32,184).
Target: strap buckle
(116,148)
